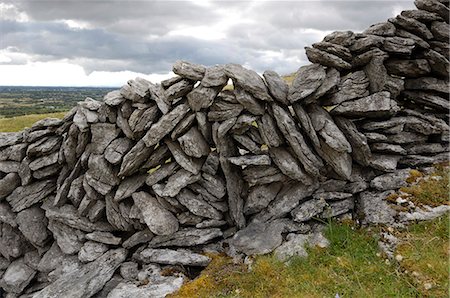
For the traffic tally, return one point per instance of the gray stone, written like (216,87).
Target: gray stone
(173,257)
(180,89)
(189,70)
(8,184)
(137,238)
(159,157)
(258,175)
(9,166)
(248,101)
(7,215)
(344,38)
(115,216)
(169,82)
(214,185)
(188,163)
(142,119)
(420,160)
(297,244)
(222,110)
(386,163)
(332,196)
(186,237)
(428,99)
(278,88)
(399,45)
(440,31)
(329,86)
(307,80)
(198,206)
(165,125)
(408,68)
(158,219)
(158,288)
(258,238)
(248,80)
(128,186)
(44,146)
(104,237)
(288,165)
(17,277)
(406,137)
(14,152)
(306,124)
(193,143)
(87,280)
(70,240)
(376,105)
(161,173)
(51,259)
(33,225)
(247,160)
(215,76)
(305,155)
(113,98)
(327,59)
(42,162)
(388,148)
(135,158)
(421,15)
(129,270)
(366,43)
(374,209)
(352,86)
(335,49)
(413,26)
(103,172)
(427,84)
(12,242)
(336,208)
(25,196)
(360,149)
(178,181)
(426,148)
(202,97)
(393,180)
(10,138)
(269,131)
(91,251)
(381,29)
(102,135)
(307,210)
(435,7)
(438,62)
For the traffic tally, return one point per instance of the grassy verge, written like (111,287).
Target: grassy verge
(350,267)
(20,122)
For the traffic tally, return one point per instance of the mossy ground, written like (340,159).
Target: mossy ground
(20,122)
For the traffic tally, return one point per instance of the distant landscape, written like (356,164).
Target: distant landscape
(19,101)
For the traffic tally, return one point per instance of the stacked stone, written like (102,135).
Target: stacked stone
(109,199)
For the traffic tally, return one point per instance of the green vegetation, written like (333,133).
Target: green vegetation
(17,101)
(21,122)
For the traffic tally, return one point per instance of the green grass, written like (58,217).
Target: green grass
(20,122)
(351,267)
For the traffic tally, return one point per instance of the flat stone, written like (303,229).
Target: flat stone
(14,152)
(159,288)
(426,148)
(327,88)
(222,110)
(259,175)
(70,240)
(386,163)
(361,152)
(91,251)
(374,208)
(214,184)
(388,148)
(288,165)
(327,59)
(17,277)
(10,138)
(158,157)
(278,88)
(376,105)
(399,45)
(87,280)
(406,138)
(246,160)
(100,170)
(114,214)
(198,206)
(202,97)
(25,196)
(296,245)
(186,237)
(434,7)
(189,70)
(306,124)
(366,43)
(9,166)
(33,225)
(307,210)
(248,80)
(113,98)
(193,143)
(295,139)
(307,80)
(420,160)
(142,119)
(7,215)
(428,99)
(103,237)
(440,31)
(269,131)
(44,146)
(43,161)
(102,135)
(180,89)
(161,173)
(389,181)
(135,158)
(352,86)
(421,15)
(137,238)
(336,208)
(159,220)
(249,102)
(128,186)
(413,26)
(173,257)
(188,163)
(335,49)
(344,38)
(215,76)
(438,62)
(165,125)
(427,84)
(381,29)
(178,181)
(8,184)
(408,68)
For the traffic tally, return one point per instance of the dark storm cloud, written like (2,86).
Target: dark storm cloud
(136,35)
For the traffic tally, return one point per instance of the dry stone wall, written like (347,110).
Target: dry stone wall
(157,174)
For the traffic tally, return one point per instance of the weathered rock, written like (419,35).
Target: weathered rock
(352,86)
(307,210)
(91,251)
(413,26)
(440,31)
(102,135)
(376,105)
(222,110)
(104,237)
(7,215)
(214,185)
(158,219)
(387,148)
(247,160)
(288,165)
(399,45)
(33,225)
(178,90)
(202,97)
(14,152)
(87,280)
(44,146)
(113,98)
(69,239)
(101,175)
(381,29)
(165,125)
(439,63)
(158,288)
(408,68)
(249,102)
(189,70)
(215,76)
(393,180)
(335,49)
(12,242)
(374,208)
(17,277)
(137,238)
(426,148)
(193,143)
(142,119)
(8,184)
(329,86)
(325,58)
(161,173)
(25,196)
(188,163)
(420,160)
(10,138)
(336,208)
(197,205)
(129,185)
(269,131)
(307,80)
(296,245)
(9,166)
(427,83)
(248,80)
(386,163)
(178,181)
(421,15)
(134,159)
(173,257)
(366,43)
(278,88)
(186,237)
(344,38)
(435,7)
(427,99)
(129,270)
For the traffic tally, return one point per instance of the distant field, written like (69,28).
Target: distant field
(18,101)
(20,122)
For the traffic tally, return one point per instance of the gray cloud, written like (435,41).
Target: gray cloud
(137,35)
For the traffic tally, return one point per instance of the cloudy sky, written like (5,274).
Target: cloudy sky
(105,43)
